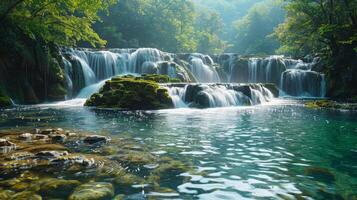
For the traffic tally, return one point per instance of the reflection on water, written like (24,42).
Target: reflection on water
(276,151)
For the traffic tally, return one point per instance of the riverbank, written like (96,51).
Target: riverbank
(330,104)
(57,163)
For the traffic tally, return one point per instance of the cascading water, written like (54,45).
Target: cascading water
(217,95)
(201,70)
(86,69)
(297,82)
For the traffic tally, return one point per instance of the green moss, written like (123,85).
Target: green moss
(133,93)
(330,105)
(5,101)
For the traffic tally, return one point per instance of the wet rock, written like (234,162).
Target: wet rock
(93,139)
(58,187)
(19,156)
(26,136)
(5,143)
(51,154)
(28,195)
(60,138)
(47,131)
(93,191)
(6,194)
(74,159)
(71,134)
(40,137)
(6,146)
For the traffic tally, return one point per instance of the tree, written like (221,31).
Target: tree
(208,28)
(64,22)
(327,28)
(164,24)
(254,31)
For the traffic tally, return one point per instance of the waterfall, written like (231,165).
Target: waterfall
(265,70)
(297,82)
(217,95)
(203,72)
(177,95)
(86,67)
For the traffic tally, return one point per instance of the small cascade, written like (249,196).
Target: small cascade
(91,89)
(304,83)
(217,95)
(144,58)
(199,66)
(265,70)
(177,95)
(85,67)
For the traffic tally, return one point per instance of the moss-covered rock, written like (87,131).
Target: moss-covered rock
(331,105)
(133,93)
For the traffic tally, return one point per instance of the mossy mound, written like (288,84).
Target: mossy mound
(331,105)
(133,93)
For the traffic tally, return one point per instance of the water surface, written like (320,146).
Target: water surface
(277,151)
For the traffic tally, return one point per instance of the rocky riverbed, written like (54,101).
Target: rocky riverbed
(62,164)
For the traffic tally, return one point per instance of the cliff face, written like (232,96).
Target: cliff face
(30,70)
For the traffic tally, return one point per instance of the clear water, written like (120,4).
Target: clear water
(260,152)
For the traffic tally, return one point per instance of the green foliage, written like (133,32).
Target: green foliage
(327,28)
(64,22)
(254,31)
(164,24)
(208,29)
(321,26)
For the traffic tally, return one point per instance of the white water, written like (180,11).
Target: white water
(203,72)
(86,69)
(217,95)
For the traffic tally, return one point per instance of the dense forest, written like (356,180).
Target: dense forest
(32,30)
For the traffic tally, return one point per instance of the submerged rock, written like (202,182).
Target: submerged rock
(51,154)
(6,146)
(58,187)
(321,174)
(6,194)
(93,191)
(26,136)
(40,137)
(58,138)
(92,139)
(28,195)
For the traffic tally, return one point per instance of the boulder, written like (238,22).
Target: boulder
(93,139)
(60,138)
(133,93)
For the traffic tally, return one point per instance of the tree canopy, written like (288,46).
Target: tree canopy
(64,22)
(254,31)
